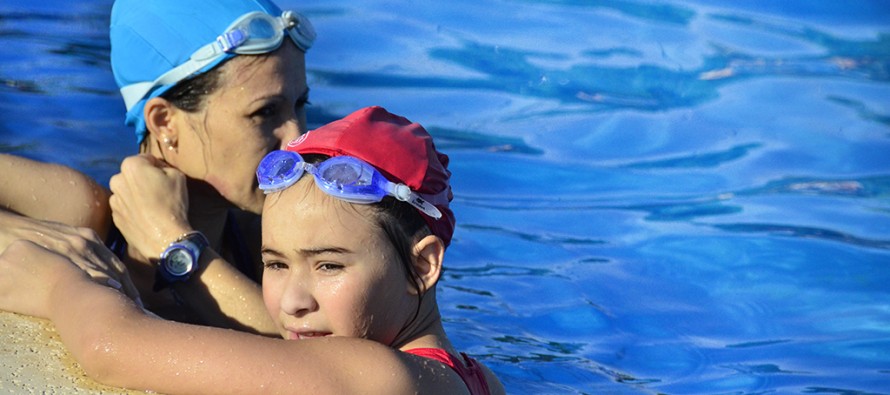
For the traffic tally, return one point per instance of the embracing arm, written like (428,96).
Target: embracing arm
(117,344)
(51,192)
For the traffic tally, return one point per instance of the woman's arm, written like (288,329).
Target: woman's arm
(117,344)
(150,207)
(53,193)
(222,296)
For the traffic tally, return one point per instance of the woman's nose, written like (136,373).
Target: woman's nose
(288,131)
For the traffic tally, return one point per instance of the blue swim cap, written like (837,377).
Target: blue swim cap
(151,37)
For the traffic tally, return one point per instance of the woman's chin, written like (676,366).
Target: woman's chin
(254,202)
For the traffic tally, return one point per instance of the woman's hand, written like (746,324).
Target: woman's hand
(28,275)
(149,204)
(82,246)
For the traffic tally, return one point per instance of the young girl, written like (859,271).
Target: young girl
(355,229)
(210,87)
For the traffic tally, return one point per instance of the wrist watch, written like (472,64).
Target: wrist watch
(180,259)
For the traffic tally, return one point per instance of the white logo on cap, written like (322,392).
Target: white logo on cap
(295,142)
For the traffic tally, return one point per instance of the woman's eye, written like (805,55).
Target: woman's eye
(266,111)
(302,101)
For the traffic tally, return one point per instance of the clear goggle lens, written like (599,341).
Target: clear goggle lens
(251,34)
(257,32)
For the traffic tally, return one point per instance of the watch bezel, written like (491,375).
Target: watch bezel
(190,246)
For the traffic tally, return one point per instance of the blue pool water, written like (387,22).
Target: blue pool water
(652,197)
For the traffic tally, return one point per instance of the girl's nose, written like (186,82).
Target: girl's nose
(297,299)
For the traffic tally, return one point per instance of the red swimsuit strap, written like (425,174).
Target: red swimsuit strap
(471,374)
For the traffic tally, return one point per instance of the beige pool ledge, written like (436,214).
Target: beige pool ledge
(34,361)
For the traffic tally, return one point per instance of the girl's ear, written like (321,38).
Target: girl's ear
(160,121)
(428,255)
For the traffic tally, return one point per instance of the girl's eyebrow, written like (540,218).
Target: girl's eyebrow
(270,251)
(307,252)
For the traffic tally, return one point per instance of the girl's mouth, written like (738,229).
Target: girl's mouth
(305,335)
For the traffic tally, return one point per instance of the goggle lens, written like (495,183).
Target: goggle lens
(343,173)
(279,170)
(262,29)
(253,33)
(344,177)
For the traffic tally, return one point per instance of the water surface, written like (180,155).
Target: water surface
(652,197)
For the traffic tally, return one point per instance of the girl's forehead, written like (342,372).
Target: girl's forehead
(304,204)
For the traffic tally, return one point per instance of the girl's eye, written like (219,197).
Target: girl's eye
(330,267)
(274,266)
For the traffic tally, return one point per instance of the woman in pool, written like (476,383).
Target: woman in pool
(348,276)
(210,87)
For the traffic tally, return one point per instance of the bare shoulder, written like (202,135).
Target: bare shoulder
(53,192)
(345,365)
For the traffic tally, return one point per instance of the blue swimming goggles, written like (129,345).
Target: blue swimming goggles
(344,177)
(251,34)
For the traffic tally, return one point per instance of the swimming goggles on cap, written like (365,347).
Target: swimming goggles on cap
(345,177)
(251,34)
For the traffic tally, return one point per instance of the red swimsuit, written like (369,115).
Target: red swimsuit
(471,374)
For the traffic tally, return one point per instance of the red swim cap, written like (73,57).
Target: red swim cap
(401,150)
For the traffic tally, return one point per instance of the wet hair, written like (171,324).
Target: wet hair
(403,226)
(189,94)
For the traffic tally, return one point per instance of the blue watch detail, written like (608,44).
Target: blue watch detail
(180,259)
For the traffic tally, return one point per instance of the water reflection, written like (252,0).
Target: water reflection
(645,86)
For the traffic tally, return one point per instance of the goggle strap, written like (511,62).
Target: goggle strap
(231,39)
(299,28)
(403,193)
(134,92)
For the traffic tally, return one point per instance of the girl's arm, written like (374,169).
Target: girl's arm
(117,344)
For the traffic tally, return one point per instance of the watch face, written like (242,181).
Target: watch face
(178,262)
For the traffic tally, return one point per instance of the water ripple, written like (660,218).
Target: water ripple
(805,232)
(453,139)
(645,86)
(657,13)
(863,110)
(493,270)
(537,237)
(696,160)
(839,391)
(757,343)
(865,187)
